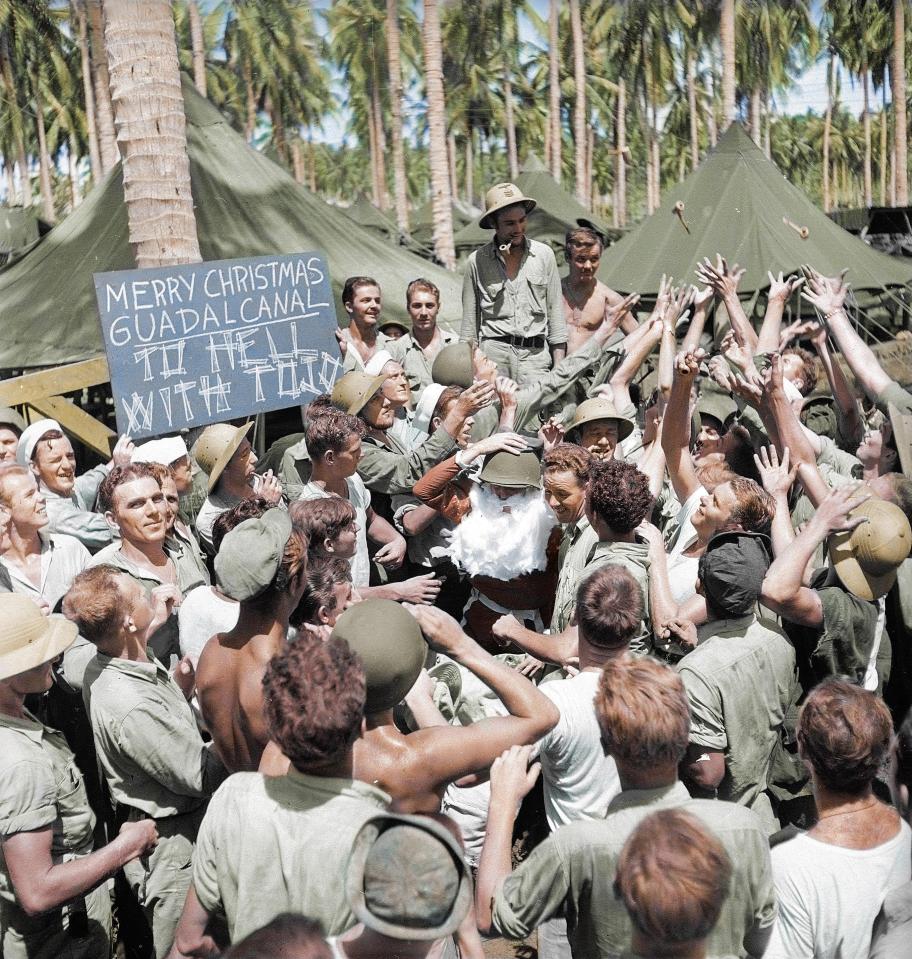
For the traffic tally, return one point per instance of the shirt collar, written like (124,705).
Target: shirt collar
(149,671)
(335,786)
(29,726)
(492,251)
(734,624)
(663,796)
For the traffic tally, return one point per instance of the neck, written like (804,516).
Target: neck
(595,657)
(653,777)
(581,285)
(424,338)
(144,553)
(365,334)
(12,703)
(272,622)
(832,803)
(126,645)
(327,478)
(239,488)
(364,943)
(871,471)
(642,945)
(341,769)
(24,542)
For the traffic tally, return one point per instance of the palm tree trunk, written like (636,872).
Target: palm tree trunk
(82,35)
(15,121)
(579,108)
(73,174)
(620,162)
(590,151)
(279,138)
(866,119)
(469,168)
(712,130)
(312,158)
(692,109)
(373,149)
(898,79)
(250,100)
(727,37)
(451,157)
(44,161)
(755,115)
(199,49)
(395,92)
(151,131)
(512,156)
(104,110)
(377,112)
(10,181)
(883,156)
(827,123)
(554,93)
(768,126)
(441,198)
(656,168)
(297,161)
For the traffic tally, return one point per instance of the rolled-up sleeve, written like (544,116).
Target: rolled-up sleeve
(557,322)
(469,328)
(534,892)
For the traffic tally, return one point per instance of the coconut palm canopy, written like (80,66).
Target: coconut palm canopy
(245,205)
(736,203)
(556,212)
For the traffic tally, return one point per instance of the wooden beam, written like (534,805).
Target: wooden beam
(77,422)
(52,382)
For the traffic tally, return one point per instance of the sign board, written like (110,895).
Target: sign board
(199,343)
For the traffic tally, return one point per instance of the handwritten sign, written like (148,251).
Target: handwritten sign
(195,344)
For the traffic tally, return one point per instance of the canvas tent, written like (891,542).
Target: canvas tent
(365,214)
(737,203)
(20,230)
(422,220)
(245,206)
(557,211)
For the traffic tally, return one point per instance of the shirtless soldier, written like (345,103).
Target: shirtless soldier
(261,563)
(586,299)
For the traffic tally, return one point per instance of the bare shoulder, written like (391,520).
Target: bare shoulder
(611,297)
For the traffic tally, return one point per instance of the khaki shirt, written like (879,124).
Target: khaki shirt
(63,558)
(576,547)
(73,516)
(281,844)
(895,394)
(393,469)
(530,305)
(148,744)
(415,361)
(41,787)
(353,359)
(572,873)
(741,681)
(190,573)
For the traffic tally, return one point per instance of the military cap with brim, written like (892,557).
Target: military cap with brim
(867,558)
(394,321)
(718,405)
(902,437)
(392,649)
(353,391)
(732,570)
(9,417)
(600,408)
(407,879)
(818,414)
(501,196)
(215,447)
(453,365)
(512,470)
(28,638)
(250,555)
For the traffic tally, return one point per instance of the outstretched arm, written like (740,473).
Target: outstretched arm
(780,291)
(676,426)
(724,280)
(850,425)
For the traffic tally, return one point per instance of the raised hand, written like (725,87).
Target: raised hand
(777,477)
(614,315)
(735,353)
(442,632)
(512,778)
(782,290)
(506,390)
(688,364)
(475,398)
(421,589)
(702,298)
(834,514)
(122,454)
(826,294)
(551,433)
(269,487)
(723,279)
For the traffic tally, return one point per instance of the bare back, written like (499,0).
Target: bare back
(229,687)
(585,315)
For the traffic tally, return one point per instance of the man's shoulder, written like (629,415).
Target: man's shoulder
(731,822)
(108,555)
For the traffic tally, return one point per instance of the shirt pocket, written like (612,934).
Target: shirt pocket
(494,299)
(537,297)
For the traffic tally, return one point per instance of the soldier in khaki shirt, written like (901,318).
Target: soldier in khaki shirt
(154,760)
(53,901)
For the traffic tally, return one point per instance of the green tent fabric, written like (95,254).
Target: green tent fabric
(422,220)
(364,213)
(20,229)
(735,203)
(557,211)
(245,206)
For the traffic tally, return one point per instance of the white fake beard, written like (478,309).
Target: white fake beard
(491,542)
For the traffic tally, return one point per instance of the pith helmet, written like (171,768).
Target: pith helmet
(215,447)
(353,391)
(720,406)
(867,558)
(513,470)
(28,638)
(600,408)
(453,365)
(501,196)
(389,642)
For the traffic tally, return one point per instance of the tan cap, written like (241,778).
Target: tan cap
(600,408)
(902,437)
(9,417)
(501,196)
(867,558)
(28,638)
(215,446)
(353,391)
(512,470)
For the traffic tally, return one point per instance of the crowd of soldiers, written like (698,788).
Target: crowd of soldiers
(581,624)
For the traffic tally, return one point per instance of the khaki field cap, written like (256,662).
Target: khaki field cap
(866,559)
(251,554)
(353,391)
(902,438)
(9,417)
(453,365)
(390,644)
(28,638)
(600,409)
(215,446)
(407,878)
(512,470)
(501,196)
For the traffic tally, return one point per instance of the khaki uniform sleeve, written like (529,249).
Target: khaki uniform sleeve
(385,471)
(534,892)
(707,721)
(468,329)
(557,322)
(28,798)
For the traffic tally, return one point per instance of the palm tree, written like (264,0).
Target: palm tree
(727,38)
(198,46)
(395,95)
(898,78)
(441,200)
(151,130)
(101,83)
(579,108)
(78,18)
(554,91)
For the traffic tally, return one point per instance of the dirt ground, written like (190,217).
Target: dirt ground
(504,949)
